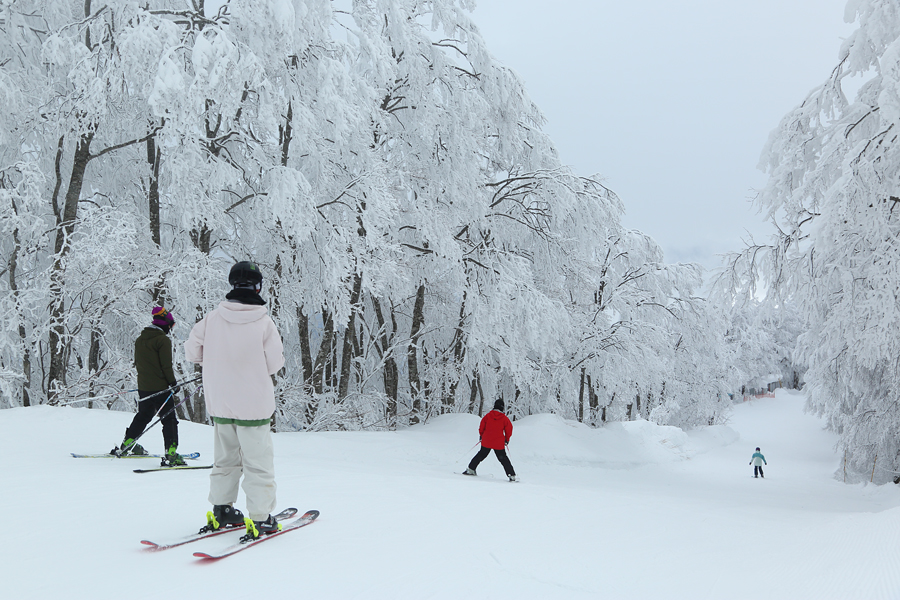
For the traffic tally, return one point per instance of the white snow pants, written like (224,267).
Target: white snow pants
(248,451)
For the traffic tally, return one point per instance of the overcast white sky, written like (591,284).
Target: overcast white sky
(671,102)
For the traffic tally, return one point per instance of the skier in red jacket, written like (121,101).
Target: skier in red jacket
(494,431)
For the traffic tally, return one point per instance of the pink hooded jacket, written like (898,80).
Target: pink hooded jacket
(239,349)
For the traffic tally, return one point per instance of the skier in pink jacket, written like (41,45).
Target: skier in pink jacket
(240,349)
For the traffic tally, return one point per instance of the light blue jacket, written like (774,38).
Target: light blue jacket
(757,460)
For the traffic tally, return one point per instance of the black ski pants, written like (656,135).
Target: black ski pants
(758,471)
(147,409)
(501,456)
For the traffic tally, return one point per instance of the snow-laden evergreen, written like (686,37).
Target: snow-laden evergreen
(629,511)
(833,196)
(424,249)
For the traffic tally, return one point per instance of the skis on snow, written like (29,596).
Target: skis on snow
(174,468)
(246,542)
(191,456)
(206,532)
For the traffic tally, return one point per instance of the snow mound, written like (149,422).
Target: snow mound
(547,439)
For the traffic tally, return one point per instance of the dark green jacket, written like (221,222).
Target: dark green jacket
(153,360)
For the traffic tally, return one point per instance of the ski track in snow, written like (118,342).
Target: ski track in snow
(628,511)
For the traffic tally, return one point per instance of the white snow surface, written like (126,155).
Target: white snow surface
(631,510)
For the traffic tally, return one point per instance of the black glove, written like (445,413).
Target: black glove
(174,389)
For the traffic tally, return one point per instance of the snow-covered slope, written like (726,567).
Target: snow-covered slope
(632,510)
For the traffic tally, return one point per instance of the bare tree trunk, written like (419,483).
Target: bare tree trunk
(389,373)
(23,337)
(323,357)
(200,237)
(285,133)
(581,397)
(480,396)
(459,354)
(347,354)
(603,410)
(201,240)
(473,391)
(635,407)
(56,377)
(199,414)
(331,370)
(307,362)
(153,159)
(412,359)
(93,360)
(305,352)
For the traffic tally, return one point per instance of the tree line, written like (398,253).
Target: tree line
(424,249)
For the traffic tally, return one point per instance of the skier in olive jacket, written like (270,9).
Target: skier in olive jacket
(494,431)
(758,460)
(153,361)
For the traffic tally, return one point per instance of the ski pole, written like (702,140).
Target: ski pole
(94,397)
(167,413)
(180,383)
(170,388)
(469,451)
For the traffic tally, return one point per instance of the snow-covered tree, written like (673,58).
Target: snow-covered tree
(833,195)
(424,248)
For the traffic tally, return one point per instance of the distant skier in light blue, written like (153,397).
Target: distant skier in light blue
(758,460)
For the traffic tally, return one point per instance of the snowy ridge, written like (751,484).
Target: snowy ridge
(628,511)
(549,439)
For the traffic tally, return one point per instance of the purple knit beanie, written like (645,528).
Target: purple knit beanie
(162,317)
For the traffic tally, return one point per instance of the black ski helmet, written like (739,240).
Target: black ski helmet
(499,405)
(245,273)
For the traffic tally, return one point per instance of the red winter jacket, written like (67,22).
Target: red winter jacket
(495,430)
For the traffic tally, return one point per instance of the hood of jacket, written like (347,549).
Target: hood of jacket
(495,416)
(150,332)
(235,312)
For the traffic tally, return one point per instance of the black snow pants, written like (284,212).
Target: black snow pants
(758,471)
(147,409)
(501,456)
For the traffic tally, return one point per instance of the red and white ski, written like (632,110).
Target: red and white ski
(207,533)
(307,518)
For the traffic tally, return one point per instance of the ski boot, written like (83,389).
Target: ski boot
(129,446)
(172,458)
(469,471)
(513,478)
(223,515)
(255,529)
